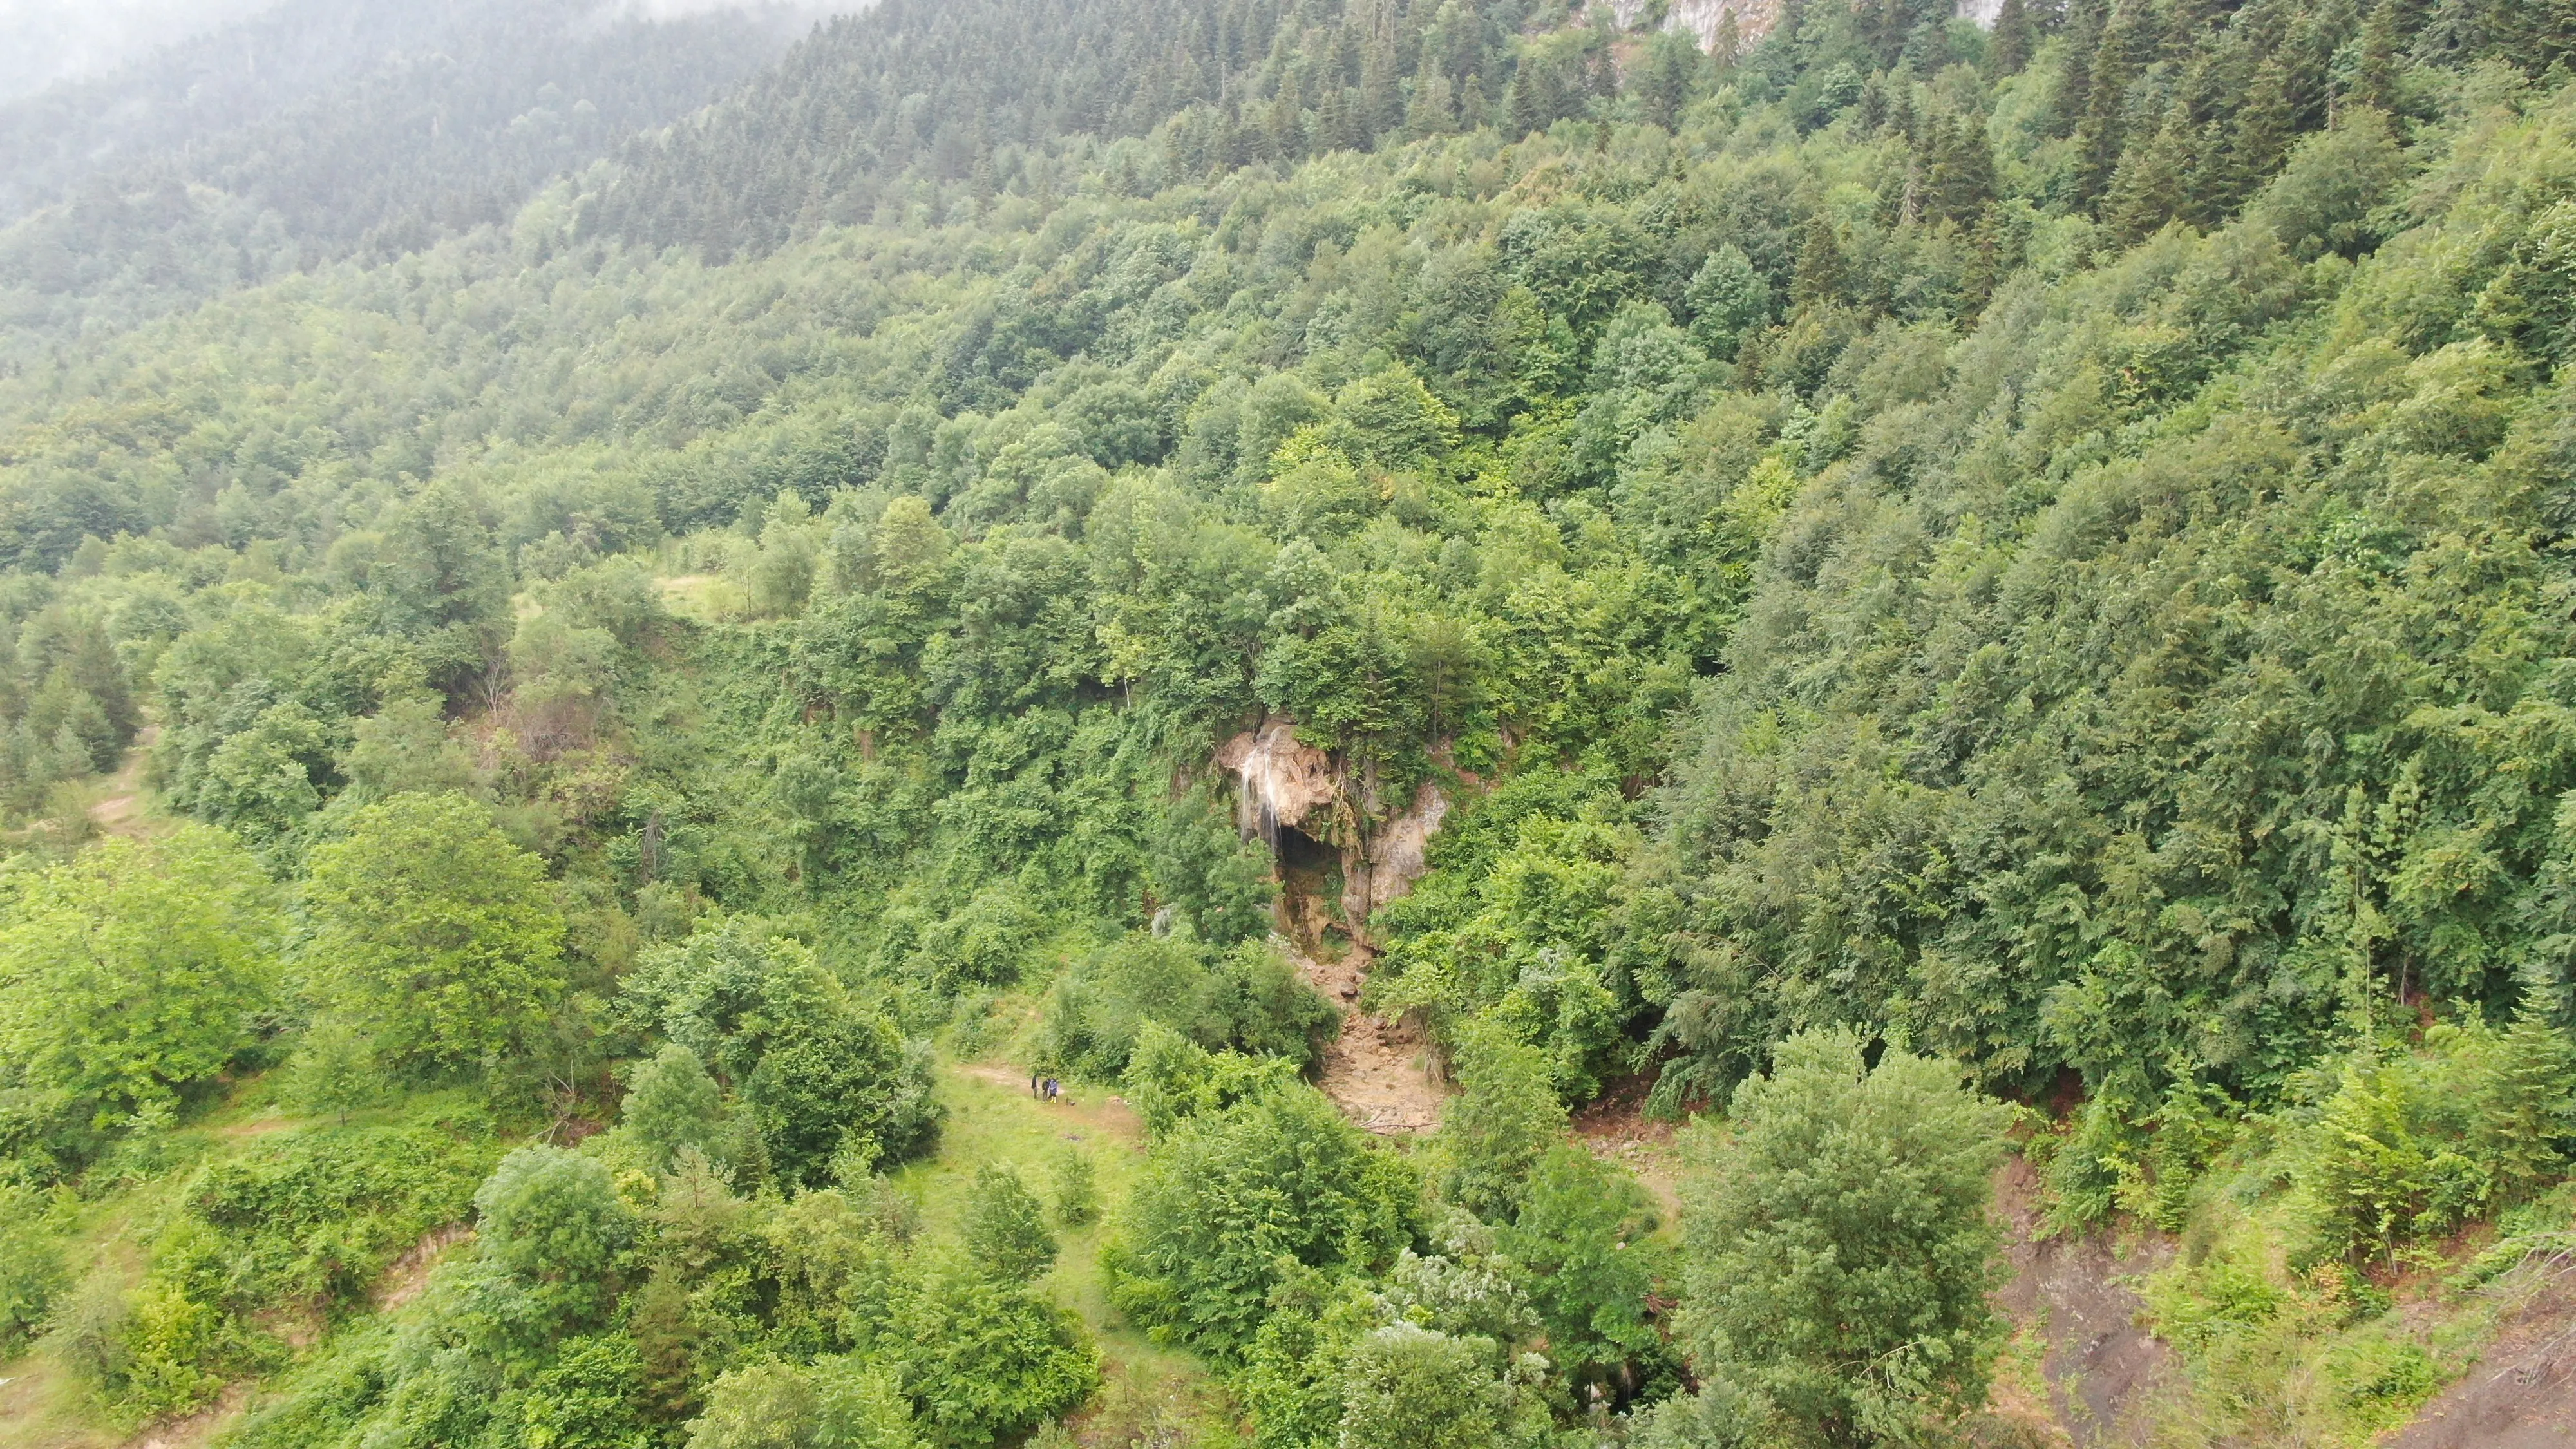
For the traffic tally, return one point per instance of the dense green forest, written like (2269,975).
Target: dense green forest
(1959,609)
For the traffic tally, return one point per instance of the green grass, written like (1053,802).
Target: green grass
(992,1118)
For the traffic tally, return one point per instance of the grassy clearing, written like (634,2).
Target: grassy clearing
(1152,1390)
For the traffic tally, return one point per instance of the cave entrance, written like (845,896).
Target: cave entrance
(1303,854)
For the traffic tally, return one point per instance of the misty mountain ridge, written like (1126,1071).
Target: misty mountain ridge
(317,129)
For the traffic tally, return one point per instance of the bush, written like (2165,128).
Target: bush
(1230,1200)
(1502,1121)
(1247,999)
(1406,1387)
(987,1361)
(2411,1144)
(1077,1195)
(591,1395)
(554,1218)
(316,1217)
(1006,1231)
(821,1079)
(32,1272)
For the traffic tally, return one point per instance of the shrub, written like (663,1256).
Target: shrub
(1231,1199)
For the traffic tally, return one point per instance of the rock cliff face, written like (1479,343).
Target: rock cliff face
(1753,18)
(1287,786)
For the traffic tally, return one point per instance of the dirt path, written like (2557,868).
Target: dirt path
(118,812)
(1375,1068)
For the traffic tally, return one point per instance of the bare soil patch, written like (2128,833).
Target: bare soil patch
(1379,1071)
(2522,1394)
(409,1274)
(1616,1128)
(2074,1294)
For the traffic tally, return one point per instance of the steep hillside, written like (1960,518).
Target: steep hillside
(1982,611)
(311,131)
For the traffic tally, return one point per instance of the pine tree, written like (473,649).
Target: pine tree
(1820,273)
(1985,264)
(1474,111)
(1728,46)
(1430,112)
(2075,85)
(2528,1115)
(2008,52)
(2374,80)
(2265,126)
(1960,181)
(1664,86)
(2127,44)
(2147,190)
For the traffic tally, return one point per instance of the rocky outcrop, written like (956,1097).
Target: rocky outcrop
(1394,859)
(1286,785)
(1753,18)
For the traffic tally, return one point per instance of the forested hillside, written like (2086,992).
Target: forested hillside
(1965,609)
(313,131)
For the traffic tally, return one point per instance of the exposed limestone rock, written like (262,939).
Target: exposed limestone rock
(1286,785)
(1753,18)
(1395,855)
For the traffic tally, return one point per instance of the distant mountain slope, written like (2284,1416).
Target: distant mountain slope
(884,108)
(322,127)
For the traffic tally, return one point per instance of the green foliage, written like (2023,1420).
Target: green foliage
(134,972)
(1586,1238)
(988,1361)
(1170,1078)
(1232,1198)
(1006,1232)
(1529,941)
(816,1074)
(32,1268)
(1416,1388)
(1505,1117)
(671,1103)
(1840,1254)
(315,1218)
(834,1404)
(1217,882)
(2048,547)
(1076,1190)
(1249,998)
(433,933)
(2411,1144)
(552,1215)
(334,1071)
(592,1394)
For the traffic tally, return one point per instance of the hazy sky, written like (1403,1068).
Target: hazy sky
(43,41)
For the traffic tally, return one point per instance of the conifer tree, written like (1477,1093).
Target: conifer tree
(1820,273)
(2074,96)
(2128,43)
(2008,51)
(2374,80)
(2147,190)
(1959,183)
